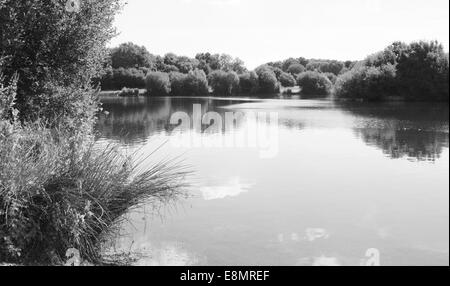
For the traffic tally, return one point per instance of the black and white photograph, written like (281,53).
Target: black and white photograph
(176,134)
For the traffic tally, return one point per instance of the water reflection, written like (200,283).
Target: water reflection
(337,188)
(417,131)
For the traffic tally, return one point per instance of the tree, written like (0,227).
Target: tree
(289,62)
(423,72)
(129,55)
(296,69)
(119,78)
(196,83)
(186,64)
(248,82)
(418,71)
(177,81)
(224,83)
(325,66)
(314,84)
(48,46)
(287,80)
(158,84)
(268,83)
(368,83)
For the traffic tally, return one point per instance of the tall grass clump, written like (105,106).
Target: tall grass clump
(53,199)
(58,193)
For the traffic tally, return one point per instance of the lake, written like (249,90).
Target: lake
(331,184)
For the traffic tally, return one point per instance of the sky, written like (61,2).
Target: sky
(260,31)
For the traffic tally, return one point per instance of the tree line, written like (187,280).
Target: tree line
(416,71)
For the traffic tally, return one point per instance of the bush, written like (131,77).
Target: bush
(369,83)
(287,80)
(192,84)
(314,84)
(120,78)
(177,81)
(418,71)
(158,84)
(196,84)
(296,69)
(224,83)
(268,83)
(129,92)
(326,66)
(248,83)
(331,76)
(423,72)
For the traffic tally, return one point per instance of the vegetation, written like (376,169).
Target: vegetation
(249,83)
(287,80)
(268,82)
(314,84)
(116,79)
(224,83)
(418,71)
(158,84)
(296,69)
(58,189)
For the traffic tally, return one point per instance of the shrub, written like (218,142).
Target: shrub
(287,80)
(369,83)
(268,83)
(196,84)
(129,92)
(158,84)
(296,69)
(224,83)
(314,84)
(119,78)
(418,71)
(326,66)
(423,72)
(177,81)
(331,76)
(249,82)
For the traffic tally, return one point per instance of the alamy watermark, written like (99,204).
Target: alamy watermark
(254,130)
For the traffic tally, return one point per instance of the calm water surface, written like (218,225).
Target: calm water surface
(347,178)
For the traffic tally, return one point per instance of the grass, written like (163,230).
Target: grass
(53,198)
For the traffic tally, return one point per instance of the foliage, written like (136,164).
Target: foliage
(268,83)
(287,80)
(331,76)
(325,66)
(193,84)
(196,84)
(158,84)
(224,83)
(129,55)
(314,84)
(249,83)
(177,81)
(418,71)
(41,42)
(369,83)
(53,199)
(117,79)
(296,69)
